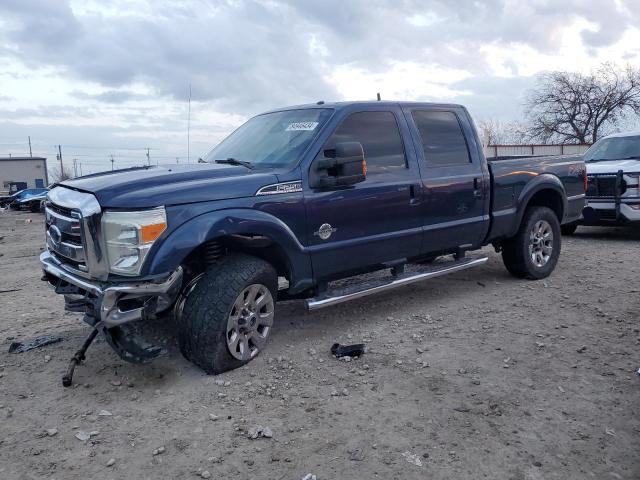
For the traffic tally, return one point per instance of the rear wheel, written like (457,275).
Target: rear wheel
(225,316)
(569,228)
(533,252)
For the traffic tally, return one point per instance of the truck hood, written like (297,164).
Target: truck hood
(612,166)
(147,187)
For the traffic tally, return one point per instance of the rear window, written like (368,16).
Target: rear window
(442,139)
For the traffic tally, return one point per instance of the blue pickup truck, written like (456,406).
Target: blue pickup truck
(289,204)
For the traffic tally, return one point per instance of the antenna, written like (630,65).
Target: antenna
(189,127)
(378,95)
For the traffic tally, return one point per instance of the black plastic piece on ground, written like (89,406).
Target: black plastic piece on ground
(129,346)
(354,350)
(19,347)
(67,379)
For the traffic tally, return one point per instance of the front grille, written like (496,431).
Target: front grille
(64,236)
(604,185)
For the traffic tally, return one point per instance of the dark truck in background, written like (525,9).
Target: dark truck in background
(291,201)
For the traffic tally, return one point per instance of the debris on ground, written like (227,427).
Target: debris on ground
(82,436)
(19,347)
(111,462)
(412,458)
(355,350)
(259,431)
(104,413)
(158,451)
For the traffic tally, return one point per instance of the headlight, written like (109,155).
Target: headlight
(129,237)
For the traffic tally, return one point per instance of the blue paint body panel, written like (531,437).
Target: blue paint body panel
(389,218)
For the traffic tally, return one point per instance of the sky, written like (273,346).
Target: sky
(110,78)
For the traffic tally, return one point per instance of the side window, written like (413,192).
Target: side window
(442,138)
(380,138)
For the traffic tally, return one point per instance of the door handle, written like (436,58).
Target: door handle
(477,188)
(413,195)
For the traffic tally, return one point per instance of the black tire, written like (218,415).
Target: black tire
(34,207)
(569,228)
(515,251)
(202,321)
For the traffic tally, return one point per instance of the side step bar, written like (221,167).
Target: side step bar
(340,295)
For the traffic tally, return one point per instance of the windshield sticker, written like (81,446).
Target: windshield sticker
(298,126)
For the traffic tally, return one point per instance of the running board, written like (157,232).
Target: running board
(340,295)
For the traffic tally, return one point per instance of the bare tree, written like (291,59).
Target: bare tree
(569,107)
(494,132)
(60,175)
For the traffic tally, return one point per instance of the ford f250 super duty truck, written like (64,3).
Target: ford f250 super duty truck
(613,189)
(290,202)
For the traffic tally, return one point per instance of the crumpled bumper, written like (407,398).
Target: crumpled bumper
(111,303)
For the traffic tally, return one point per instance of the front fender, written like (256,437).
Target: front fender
(174,248)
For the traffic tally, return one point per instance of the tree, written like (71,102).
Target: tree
(493,132)
(60,175)
(568,107)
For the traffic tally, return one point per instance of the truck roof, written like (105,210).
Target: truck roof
(341,105)
(624,134)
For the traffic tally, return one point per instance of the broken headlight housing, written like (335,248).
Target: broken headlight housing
(129,236)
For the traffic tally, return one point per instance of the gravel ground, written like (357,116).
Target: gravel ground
(475,375)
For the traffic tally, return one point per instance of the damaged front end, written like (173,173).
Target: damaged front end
(109,307)
(77,265)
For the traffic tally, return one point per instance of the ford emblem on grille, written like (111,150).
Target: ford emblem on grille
(55,234)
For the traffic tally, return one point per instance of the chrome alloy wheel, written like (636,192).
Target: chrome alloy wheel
(250,321)
(541,243)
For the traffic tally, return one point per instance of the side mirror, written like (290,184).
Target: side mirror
(346,167)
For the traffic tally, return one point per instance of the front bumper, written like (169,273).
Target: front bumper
(599,212)
(111,303)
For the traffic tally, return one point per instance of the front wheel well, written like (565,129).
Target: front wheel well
(257,245)
(548,198)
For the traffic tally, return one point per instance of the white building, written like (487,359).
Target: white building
(31,170)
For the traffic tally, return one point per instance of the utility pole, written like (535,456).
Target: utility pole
(61,165)
(112,160)
(75,167)
(30,152)
(80,168)
(189,128)
(148,158)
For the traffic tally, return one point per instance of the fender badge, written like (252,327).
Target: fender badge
(325,231)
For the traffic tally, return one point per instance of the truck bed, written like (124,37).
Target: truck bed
(512,179)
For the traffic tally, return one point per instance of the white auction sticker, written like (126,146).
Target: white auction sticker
(301,126)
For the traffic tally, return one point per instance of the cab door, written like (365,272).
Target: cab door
(455,179)
(373,222)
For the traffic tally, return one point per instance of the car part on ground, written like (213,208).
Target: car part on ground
(355,350)
(19,347)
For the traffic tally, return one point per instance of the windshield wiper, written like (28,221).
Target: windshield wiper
(633,157)
(235,161)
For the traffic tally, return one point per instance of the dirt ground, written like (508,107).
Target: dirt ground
(475,375)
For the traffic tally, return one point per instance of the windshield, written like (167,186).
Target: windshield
(273,139)
(614,148)
(31,192)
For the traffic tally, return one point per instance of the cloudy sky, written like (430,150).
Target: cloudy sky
(111,77)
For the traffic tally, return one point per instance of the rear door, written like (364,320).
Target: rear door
(455,179)
(378,220)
